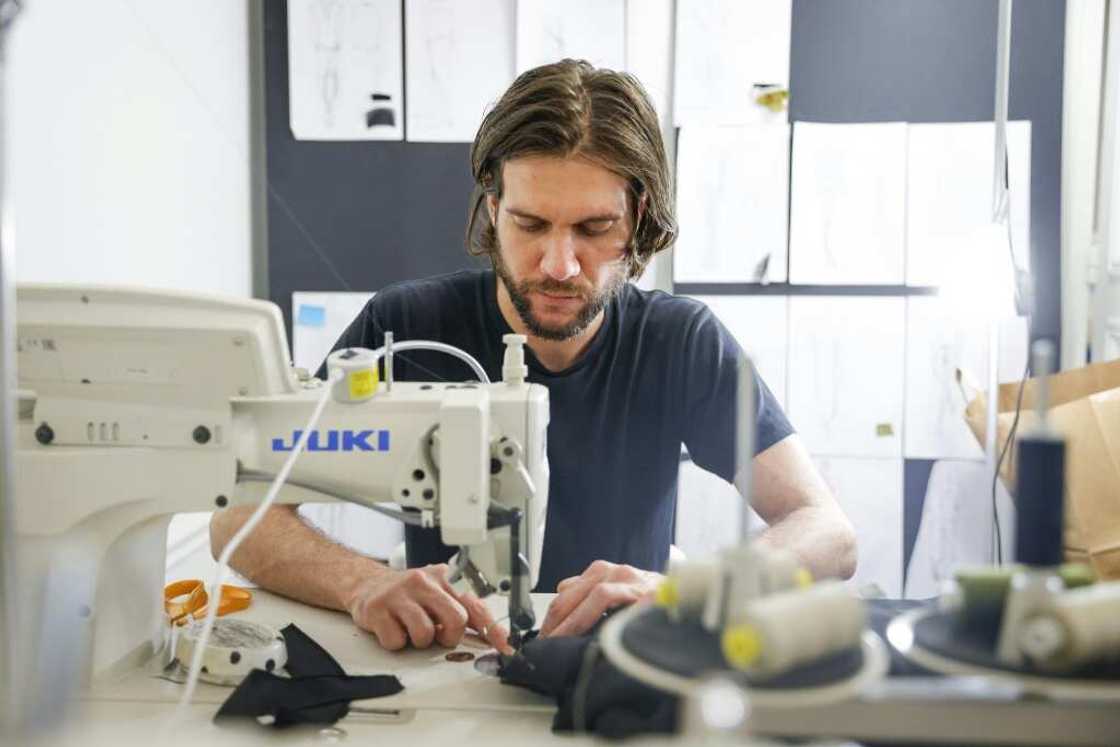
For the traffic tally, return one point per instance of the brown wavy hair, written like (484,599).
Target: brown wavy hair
(571,108)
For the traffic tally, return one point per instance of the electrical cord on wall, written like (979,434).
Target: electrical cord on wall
(1002,455)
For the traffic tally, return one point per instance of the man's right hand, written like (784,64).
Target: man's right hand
(418,606)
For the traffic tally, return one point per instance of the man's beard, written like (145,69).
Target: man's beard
(593,301)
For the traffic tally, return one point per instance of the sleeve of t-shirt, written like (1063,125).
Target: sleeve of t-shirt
(710,399)
(364,332)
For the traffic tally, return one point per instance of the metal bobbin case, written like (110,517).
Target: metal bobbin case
(359,379)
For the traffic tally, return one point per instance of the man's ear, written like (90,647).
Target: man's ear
(492,209)
(643,201)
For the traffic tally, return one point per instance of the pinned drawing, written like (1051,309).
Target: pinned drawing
(345,77)
(460,59)
(592,30)
(728,53)
(732,184)
(847,203)
(846,374)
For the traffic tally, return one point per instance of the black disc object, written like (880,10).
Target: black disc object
(688,650)
(940,633)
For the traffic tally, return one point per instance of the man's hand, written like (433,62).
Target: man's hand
(418,606)
(582,600)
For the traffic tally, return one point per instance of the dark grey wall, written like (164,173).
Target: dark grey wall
(354,215)
(934,61)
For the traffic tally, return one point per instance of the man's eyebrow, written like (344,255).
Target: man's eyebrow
(524,214)
(597,218)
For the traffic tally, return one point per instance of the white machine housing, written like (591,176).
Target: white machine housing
(136,404)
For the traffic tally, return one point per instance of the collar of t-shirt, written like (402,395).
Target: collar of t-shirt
(602,337)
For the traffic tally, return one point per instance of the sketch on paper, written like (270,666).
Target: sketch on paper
(939,342)
(870,493)
(732,186)
(708,509)
(760,324)
(344,69)
(460,60)
(724,49)
(847,203)
(846,372)
(949,193)
(592,30)
(956,526)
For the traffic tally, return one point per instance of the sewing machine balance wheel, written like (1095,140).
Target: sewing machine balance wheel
(645,644)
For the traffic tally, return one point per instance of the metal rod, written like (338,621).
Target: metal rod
(744,444)
(8,711)
(388,361)
(1003,77)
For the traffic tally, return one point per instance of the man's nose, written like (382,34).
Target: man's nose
(559,259)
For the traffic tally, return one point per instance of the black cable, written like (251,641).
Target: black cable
(1002,455)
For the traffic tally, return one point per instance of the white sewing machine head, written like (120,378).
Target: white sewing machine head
(135,405)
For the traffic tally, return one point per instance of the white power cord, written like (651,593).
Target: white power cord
(231,547)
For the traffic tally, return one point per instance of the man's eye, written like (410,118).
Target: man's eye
(596,228)
(529,226)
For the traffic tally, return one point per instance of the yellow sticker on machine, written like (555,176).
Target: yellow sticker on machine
(363,383)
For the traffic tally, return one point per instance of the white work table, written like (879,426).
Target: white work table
(442,703)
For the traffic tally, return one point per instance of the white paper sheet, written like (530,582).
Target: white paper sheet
(649,33)
(938,342)
(592,30)
(724,48)
(732,187)
(340,56)
(318,320)
(957,527)
(708,513)
(760,325)
(949,193)
(870,492)
(460,59)
(847,205)
(846,369)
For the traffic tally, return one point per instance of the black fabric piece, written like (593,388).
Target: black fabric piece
(320,699)
(318,692)
(306,658)
(660,371)
(941,633)
(615,706)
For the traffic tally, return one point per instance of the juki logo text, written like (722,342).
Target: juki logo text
(337,440)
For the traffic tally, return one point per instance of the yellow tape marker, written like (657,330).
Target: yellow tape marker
(363,383)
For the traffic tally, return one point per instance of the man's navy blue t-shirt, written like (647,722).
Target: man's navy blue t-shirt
(660,371)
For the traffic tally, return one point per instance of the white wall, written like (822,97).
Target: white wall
(128,143)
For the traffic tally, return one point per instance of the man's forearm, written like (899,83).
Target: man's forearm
(285,555)
(823,541)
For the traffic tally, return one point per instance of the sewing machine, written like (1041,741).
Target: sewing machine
(135,405)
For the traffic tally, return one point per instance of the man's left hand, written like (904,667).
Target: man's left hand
(581,600)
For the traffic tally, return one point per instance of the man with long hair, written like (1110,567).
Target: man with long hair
(573,196)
